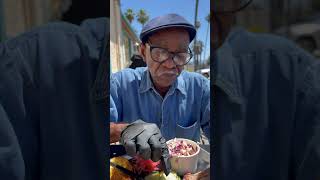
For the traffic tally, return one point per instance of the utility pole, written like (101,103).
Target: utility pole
(205,44)
(195,38)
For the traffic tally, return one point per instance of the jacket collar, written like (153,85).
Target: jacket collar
(98,31)
(226,70)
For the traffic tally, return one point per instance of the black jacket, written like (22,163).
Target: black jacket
(266,110)
(53,103)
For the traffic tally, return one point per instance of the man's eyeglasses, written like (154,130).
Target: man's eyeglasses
(160,55)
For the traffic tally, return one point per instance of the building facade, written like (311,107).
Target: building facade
(123,39)
(17,16)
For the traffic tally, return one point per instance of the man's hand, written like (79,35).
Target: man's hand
(144,139)
(115,131)
(201,175)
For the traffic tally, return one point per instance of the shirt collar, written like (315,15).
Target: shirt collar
(226,70)
(180,84)
(146,83)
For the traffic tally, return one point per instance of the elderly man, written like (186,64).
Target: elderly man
(266,120)
(160,101)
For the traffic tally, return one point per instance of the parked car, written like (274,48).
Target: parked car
(205,72)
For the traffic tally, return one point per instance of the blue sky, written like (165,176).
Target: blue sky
(185,8)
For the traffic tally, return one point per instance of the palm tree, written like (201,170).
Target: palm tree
(199,46)
(197,50)
(197,25)
(142,17)
(208,61)
(129,15)
(205,44)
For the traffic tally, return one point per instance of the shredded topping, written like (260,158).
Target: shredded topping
(181,148)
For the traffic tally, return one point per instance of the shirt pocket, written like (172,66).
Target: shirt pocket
(190,132)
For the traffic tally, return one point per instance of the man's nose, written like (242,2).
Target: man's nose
(169,63)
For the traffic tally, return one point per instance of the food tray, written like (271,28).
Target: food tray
(203,161)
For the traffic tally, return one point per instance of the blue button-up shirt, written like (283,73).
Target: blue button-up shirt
(181,113)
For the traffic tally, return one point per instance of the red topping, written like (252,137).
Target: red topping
(144,167)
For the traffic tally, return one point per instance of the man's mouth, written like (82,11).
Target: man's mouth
(170,73)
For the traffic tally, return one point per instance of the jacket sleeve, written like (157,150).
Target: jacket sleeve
(306,138)
(11,160)
(18,97)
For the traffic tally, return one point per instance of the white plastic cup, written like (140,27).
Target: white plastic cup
(185,164)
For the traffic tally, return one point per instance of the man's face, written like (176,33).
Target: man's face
(174,40)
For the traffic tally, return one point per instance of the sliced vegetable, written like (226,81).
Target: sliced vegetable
(156,175)
(161,176)
(173,176)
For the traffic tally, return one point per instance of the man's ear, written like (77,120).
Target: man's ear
(142,51)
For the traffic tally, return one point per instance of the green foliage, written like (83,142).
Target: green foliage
(129,14)
(142,17)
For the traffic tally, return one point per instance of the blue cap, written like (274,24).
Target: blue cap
(166,21)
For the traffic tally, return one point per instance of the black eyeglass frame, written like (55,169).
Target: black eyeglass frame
(173,54)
